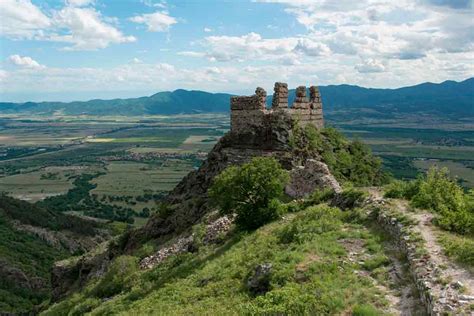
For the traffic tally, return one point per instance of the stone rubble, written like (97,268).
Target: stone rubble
(213,233)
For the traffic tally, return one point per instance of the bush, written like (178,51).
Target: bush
(459,247)
(315,220)
(442,195)
(348,161)
(398,189)
(437,192)
(365,310)
(321,196)
(350,198)
(251,191)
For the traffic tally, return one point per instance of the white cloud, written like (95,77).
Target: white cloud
(312,48)
(226,77)
(86,30)
(207,30)
(191,54)
(245,47)
(25,62)
(76,23)
(156,22)
(370,66)
(21,19)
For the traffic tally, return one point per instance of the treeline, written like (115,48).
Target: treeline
(79,199)
(133,200)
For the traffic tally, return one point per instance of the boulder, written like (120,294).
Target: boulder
(259,282)
(314,175)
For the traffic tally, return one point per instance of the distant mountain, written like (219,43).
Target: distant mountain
(455,99)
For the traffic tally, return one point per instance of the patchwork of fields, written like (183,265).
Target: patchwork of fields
(143,158)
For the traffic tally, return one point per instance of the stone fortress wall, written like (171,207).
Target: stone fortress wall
(250,112)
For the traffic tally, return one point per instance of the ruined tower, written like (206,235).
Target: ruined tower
(250,116)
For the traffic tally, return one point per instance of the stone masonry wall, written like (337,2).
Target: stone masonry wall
(250,113)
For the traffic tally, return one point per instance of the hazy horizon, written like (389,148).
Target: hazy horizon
(109,95)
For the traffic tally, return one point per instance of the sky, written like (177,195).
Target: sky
(64,50)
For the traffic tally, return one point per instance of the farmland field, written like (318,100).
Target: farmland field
(141,158)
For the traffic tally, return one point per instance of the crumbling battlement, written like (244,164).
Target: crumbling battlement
(249,113)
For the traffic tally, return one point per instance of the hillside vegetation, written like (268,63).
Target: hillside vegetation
(310,274)
(349,161)
(31,240)
(304,245)
(453,207)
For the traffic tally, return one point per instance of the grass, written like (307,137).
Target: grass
(132,178)
(311,274)
(460,248)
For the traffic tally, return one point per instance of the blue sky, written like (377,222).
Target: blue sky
(81,49)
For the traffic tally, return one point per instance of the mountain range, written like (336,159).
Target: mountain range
(450,98)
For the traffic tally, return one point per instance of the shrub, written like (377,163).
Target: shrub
(315,220)
(459,247)
(365,310)
(321,196)
(437,192)
(251,191)
(350,198)
(348,161)
(442,195)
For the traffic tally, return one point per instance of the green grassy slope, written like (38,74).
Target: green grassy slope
(312,273)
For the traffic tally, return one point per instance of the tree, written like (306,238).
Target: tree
(251,191)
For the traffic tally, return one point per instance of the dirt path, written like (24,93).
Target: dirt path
(451,271)
(453,282)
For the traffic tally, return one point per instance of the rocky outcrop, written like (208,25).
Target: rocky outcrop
(73,273)
(19,279)
(304,180)
(214,231)
(64,239)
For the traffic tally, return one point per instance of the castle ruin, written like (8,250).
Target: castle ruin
(256,125)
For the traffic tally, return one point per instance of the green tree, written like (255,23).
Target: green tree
(251,191)
(349,161)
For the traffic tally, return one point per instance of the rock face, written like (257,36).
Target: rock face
(70,274)
(259,282)
(313,175)
(255,131)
